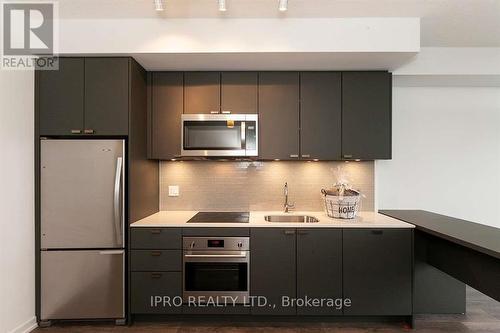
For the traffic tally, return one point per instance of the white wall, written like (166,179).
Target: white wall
(17,274)
(128,36)
(446,153)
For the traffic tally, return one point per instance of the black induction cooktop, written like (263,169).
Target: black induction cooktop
(220,217)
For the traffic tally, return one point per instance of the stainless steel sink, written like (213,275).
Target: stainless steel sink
(291,218)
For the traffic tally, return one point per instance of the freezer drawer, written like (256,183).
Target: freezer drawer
(82,187)
(85,284)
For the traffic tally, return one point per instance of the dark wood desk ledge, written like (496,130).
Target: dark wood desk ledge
(479,237)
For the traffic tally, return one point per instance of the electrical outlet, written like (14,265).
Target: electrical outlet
(173,190)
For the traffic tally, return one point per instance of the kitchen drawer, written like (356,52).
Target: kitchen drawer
(147,287)
(155,260)
(156,238)
(216,232)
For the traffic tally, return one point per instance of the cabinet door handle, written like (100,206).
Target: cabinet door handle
(156,275)
(76,131)
(289,232)
(88,131)
(156,231)
(214,112)
(226,112)
(156,253)
(294,155)
(347,156)
(302,232)
(306,155)
(377,232)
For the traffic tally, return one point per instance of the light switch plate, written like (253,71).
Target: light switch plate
(173,190)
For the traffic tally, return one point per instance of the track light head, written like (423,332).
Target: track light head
(222,5)
(282,5)
(159,5)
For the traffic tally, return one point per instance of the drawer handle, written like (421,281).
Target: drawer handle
(156,232)
(156,253)
(377,232)
(76,131)
(289,232)
(156,275)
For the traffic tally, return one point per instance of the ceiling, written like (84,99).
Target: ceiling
(444,23)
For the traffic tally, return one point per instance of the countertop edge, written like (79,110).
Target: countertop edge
(183,216)
(436,233)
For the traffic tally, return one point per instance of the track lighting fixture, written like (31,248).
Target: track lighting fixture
(222,5)
(158,5)
(283,5)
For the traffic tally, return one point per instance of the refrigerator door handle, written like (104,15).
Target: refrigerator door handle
(108,252)
(116,202)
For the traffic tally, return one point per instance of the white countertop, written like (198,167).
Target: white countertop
(363,220)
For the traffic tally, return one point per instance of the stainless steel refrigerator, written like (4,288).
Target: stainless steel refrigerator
(82,229)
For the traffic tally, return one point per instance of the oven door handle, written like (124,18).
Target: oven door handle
(243,254)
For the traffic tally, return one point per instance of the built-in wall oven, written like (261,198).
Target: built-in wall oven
(219,135)
(216,267)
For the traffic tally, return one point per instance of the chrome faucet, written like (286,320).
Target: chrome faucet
(287,205)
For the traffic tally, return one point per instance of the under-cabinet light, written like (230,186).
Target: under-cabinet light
(283,5)
(159,5)
(222,5)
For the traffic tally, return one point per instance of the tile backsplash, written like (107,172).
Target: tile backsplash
(232,186)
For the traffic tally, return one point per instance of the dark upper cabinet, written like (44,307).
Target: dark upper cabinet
(85,96)
(279,115)
(239,92)
(377,271)
(60,98)
(107,95)
(319,268)
(321,115)
(165,116)
(273,268)
(202,92)
(302,115)
(366,115)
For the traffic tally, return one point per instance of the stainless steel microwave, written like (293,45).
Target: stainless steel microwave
(220,135)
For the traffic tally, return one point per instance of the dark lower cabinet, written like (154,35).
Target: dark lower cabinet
(156,292)
(60,98)
(106,96)
(319,271)
(156,270)
(366,115)
(156,260)
(377,271)
(273,269)
(156,238)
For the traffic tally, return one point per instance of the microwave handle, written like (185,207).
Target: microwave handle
(243,135)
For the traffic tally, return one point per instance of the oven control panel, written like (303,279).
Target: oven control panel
(216,243)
